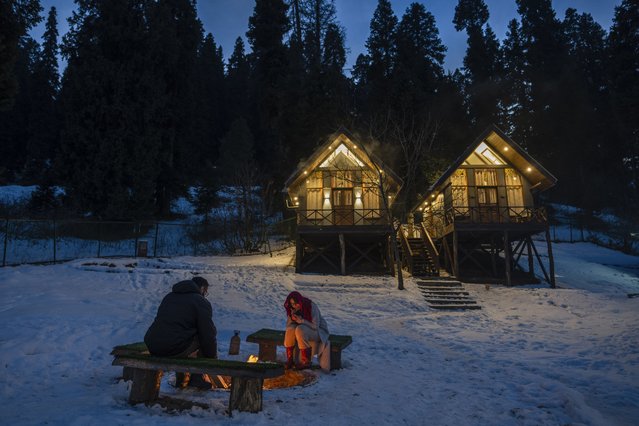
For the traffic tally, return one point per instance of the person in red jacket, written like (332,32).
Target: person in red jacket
(305,327)
(183,327)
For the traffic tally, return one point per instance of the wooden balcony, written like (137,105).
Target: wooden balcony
(493,218)
(342,220)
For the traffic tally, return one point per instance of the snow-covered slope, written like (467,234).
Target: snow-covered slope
(532,356)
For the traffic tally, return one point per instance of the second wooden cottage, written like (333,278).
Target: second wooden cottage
(341,196)
(481,213)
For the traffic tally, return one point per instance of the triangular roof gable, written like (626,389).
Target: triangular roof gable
(507,150)
(324,151)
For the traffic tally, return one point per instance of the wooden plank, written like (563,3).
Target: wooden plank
(277,336)
(131,348)
(202,366)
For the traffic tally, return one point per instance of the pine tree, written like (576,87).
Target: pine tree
(109,143)
(417,76)
(420,57)
(43,119)
(14,123)
(482,63)
(584,109)
(545,58)
(516,93)
(210,114)
(623,74)
(237,82)
(16,18)
(381,51)
(267,27)
(175,36)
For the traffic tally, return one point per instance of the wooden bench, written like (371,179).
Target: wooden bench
(269,340)
(146,372)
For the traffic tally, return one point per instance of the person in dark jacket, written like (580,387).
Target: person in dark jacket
(183,327)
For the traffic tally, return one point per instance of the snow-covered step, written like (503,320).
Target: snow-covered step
(425,292)
(446,294)
(456,307)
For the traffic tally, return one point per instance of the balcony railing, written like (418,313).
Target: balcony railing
(436,222)
(342,217)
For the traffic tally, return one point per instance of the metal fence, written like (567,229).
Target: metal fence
(46,241)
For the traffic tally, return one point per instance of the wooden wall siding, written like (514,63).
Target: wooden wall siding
(336,186)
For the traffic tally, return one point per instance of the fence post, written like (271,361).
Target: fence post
(155,241)
(570,227)
(195,244)
(99,238)
(6,238)
(55,242)
(137,236)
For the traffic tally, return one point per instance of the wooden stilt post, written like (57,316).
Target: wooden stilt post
(531,261)
(507,258)
(342,250)
(299,252)
(455,256)
(551,261)
(493,255)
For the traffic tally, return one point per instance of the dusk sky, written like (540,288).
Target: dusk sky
(228,19)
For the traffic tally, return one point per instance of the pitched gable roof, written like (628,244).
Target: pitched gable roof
(327,149)
(506,149)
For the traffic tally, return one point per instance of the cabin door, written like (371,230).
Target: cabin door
(343,206)
(487,204)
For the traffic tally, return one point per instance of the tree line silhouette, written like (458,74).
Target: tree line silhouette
(147,106)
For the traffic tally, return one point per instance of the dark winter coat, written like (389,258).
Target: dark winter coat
(183,315)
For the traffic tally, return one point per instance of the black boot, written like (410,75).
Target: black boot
(182,380)
(198,382)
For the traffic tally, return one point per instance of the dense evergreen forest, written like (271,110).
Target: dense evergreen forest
(147,106)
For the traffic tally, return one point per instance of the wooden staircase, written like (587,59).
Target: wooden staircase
(446,294)
(422,263)
(418,253)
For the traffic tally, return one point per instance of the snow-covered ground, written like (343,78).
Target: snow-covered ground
(532,356)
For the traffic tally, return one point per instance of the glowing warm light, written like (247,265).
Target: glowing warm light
(433,196)
(252,358)
(305,172)
(529,169)
(505,148)
(420,209)
(297,203)
(295,198)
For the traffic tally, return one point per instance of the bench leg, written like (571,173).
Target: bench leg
(268,351)
(127,373)
(336,358)
(246,394)
(146,385)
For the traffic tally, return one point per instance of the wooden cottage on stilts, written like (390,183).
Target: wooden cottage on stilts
(341,195)
(482,213)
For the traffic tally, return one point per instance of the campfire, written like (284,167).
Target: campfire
(289,379)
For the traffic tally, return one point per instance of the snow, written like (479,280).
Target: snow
(12,194)
(531,356)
